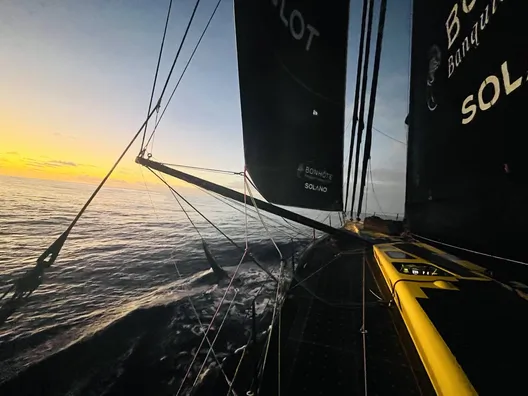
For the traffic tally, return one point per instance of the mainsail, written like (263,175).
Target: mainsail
(467,174)
(292,70)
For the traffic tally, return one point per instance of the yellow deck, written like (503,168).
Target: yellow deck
(441,365)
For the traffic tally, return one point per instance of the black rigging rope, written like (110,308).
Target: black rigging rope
(355,117)
(28,282)
(362,103)
(372,103)
(389,136)
(185,68)
(214,225)
(156,74)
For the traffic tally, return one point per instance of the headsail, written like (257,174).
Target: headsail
(292,70)
(467,173)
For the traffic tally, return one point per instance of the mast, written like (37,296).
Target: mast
(362,102)
(372,104)
(356,98)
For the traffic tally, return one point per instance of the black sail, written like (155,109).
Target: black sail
(467,163)
(292,70)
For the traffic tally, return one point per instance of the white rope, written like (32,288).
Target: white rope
(272,322)
(471,251)
(277,293)
(279,227)
(174,261)
(245,349)
(214,340)
(211,323)
(259,215)
(200,323)
(245,207)
(363,328)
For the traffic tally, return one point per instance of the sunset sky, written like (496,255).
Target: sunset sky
(76,78)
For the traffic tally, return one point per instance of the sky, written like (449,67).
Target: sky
(76,77)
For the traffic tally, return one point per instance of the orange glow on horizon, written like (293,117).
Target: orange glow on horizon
(54,153)
(14,164)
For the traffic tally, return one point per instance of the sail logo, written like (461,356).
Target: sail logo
(308,172)
(315,187)
(492,84)
(453,27)
(296,24)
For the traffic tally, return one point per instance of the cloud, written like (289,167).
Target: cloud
(61,163)
(12,153)
(63,136)
(45,164)
(39,163)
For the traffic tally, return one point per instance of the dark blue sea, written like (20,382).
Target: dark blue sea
(116,313)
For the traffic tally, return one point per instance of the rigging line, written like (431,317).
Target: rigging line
(48,257)
(471,251)
(200,323)
(253,184)
(205,169)
(389,136)
(211,322)
(268,342)
(181,277)
(245,206)
(261,219)
(372,99)
(295,229)
(187,214)
(52,252)
(362,103)
(156,74)
(374,191)
(185,68)
(279,352)
(214,340)
(214,225)
(363,328)
(155,122)
(356,97)
(246,345)
(178,54)
(226,202)
(300,283)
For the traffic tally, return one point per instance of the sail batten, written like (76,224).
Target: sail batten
(292,77)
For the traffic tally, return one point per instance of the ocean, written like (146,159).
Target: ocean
(116,313)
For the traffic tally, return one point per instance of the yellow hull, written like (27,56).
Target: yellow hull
(450,308)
